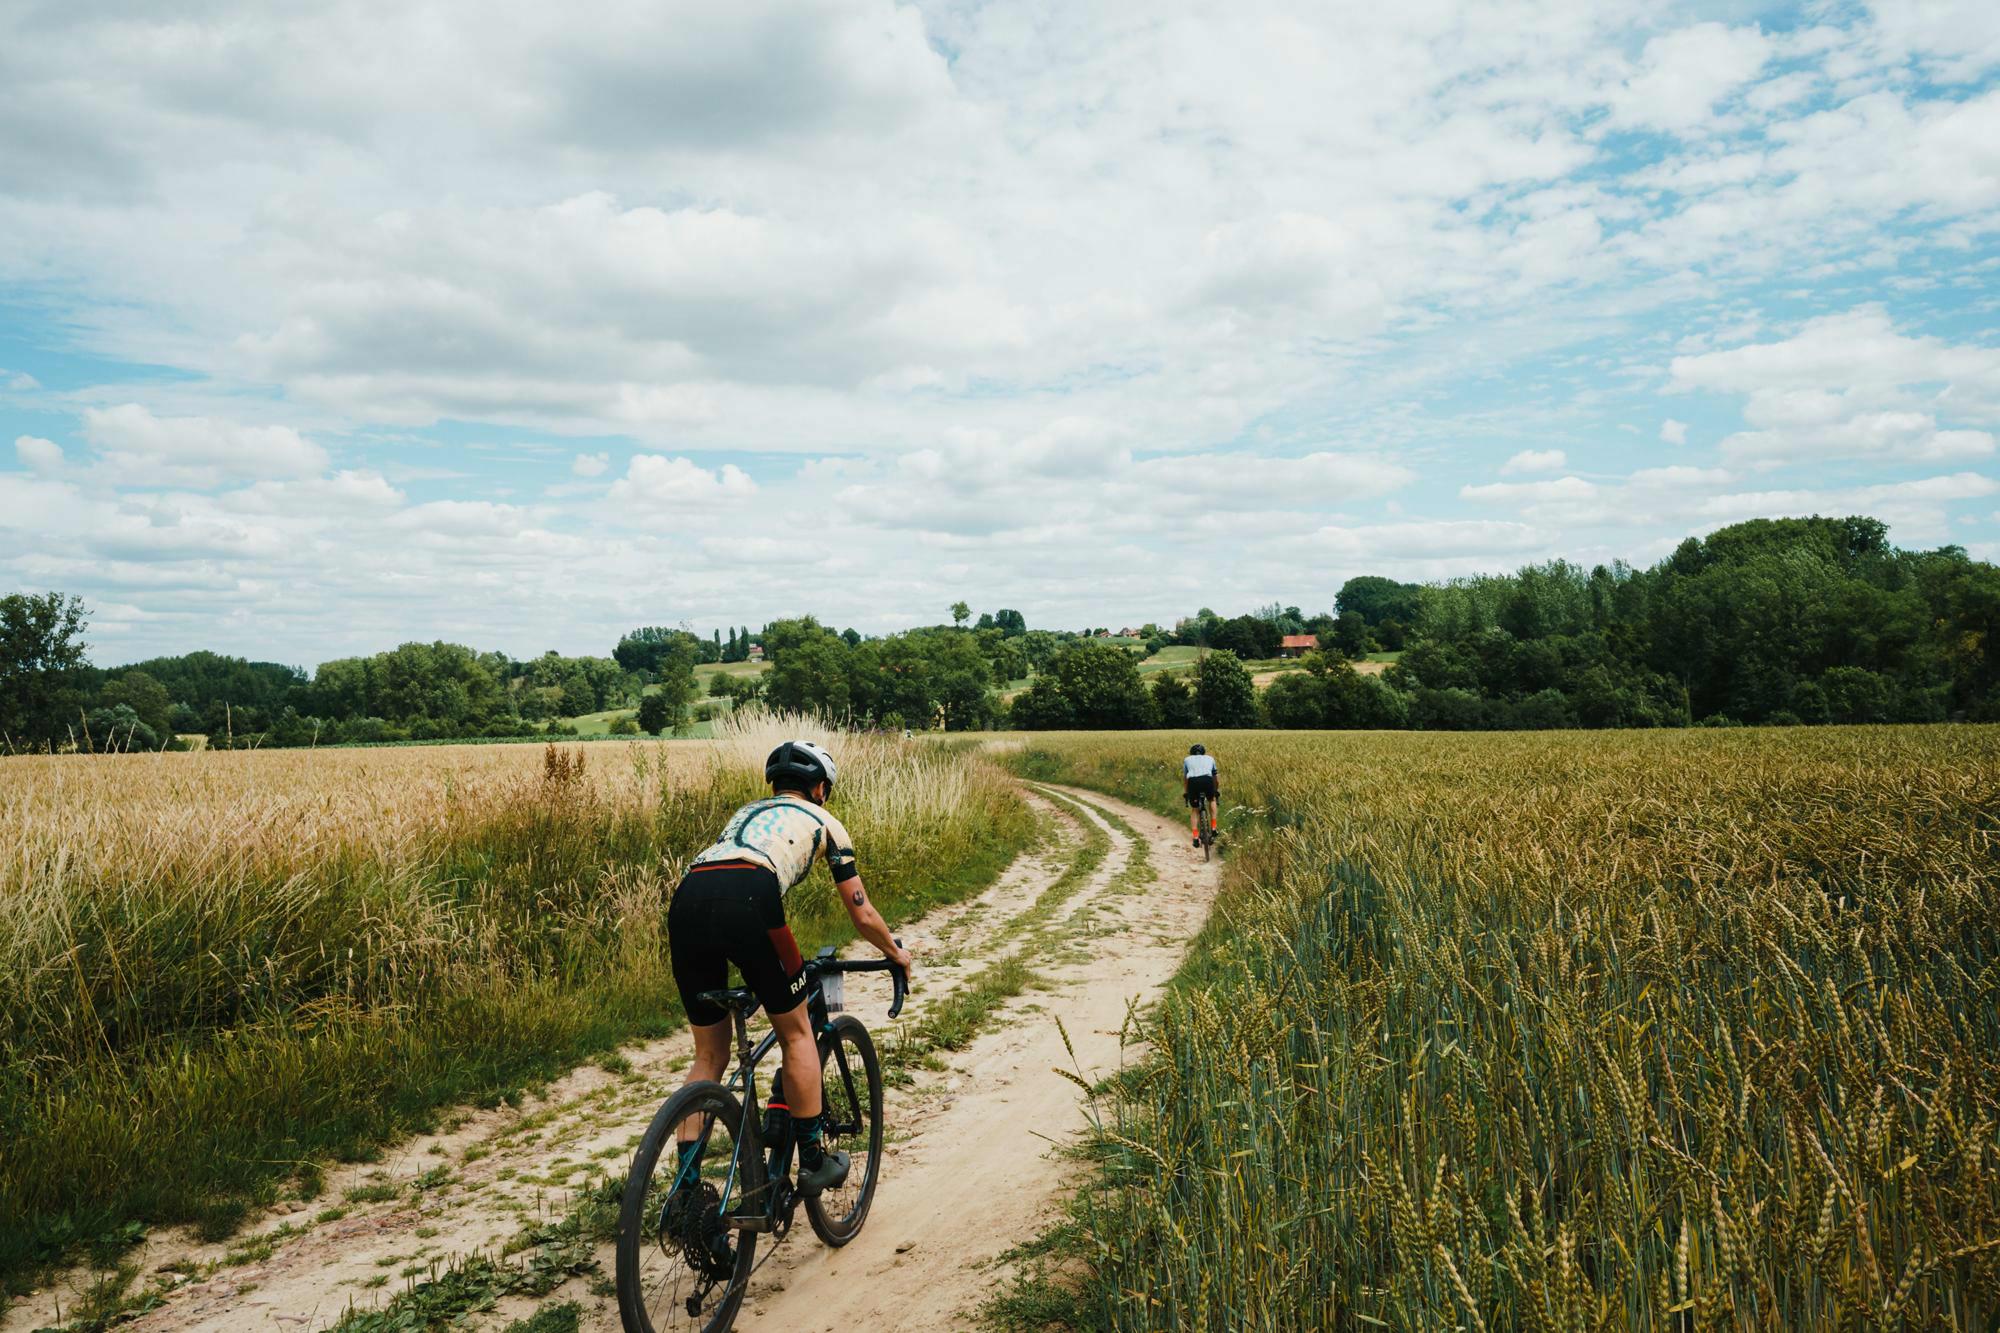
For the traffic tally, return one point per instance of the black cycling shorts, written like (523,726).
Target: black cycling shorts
(1202,786)
(732,913)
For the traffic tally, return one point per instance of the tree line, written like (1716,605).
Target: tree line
(1772,621)
(51,697)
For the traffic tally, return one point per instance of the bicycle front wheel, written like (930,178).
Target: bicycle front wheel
(681,1268)
(851,1075)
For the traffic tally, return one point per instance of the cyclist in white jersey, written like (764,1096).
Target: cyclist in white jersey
(730,908)
(1198,778)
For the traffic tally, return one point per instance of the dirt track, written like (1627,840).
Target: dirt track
(970,1171)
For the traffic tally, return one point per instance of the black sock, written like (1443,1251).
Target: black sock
(805,1133)
(689,1152)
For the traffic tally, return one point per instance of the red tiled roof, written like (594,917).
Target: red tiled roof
(1301,641)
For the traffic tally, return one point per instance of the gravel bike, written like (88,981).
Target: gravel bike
(1204,823)
(688,1226)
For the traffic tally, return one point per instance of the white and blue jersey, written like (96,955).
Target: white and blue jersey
(785,834)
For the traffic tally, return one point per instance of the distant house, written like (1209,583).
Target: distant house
(756,652)
(1130,634)
(1297,645)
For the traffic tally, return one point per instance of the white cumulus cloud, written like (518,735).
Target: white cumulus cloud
(1852,385)
(1682,75)
(1535,460)
(1674,432)
(590,465)
(141,448)
(654,479)
(40,455)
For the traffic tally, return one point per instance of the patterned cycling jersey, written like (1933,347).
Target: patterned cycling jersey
(785,834)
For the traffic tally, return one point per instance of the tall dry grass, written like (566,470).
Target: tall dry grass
(224,967)
(1666,1030)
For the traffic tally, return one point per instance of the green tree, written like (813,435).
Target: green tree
(959,612)
(656,713)
(1351,636)
(811,676)
(1224,695)
(1102,684)
(781,636)
(1378,600)
(676,689)
(116,730)
(577,696)
(1247,637)
(1293,700)
(1010,623)
(145,696)
(42,658)
(643,650)
(1042,707)
(1173,701)
(199,679)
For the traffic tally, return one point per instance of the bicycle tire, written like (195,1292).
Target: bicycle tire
(642,1204)
(864,1147)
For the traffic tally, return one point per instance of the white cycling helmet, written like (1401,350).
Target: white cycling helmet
(803,760)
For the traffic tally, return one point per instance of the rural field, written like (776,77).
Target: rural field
(1662,1029)
(1554,1030)
(228,971)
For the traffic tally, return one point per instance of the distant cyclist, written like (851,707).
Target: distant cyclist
(730,908)
(1198,778)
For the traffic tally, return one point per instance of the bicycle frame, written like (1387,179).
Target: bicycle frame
(756,1175)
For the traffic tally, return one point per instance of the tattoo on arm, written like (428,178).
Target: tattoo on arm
(859,898)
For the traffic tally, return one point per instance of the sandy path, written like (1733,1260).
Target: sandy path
(978,1177)
(977,1132)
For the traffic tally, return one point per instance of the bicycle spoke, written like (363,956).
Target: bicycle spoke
(681,1266)
(851,1084)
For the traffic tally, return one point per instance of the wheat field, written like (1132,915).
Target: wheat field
(226,969)
(1565,1031)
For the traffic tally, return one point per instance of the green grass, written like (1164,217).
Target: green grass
(592,726)
(556,1317)
(1174,657)
(708,669)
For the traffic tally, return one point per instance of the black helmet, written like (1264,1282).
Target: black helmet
(1197,749)
(801,762)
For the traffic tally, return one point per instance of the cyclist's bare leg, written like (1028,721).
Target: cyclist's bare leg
(711,1057)
(795,1038)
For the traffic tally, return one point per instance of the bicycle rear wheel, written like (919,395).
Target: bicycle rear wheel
(680,1269)
(1207,833)
(851,1075)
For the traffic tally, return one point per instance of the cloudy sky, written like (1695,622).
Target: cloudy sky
(327,326)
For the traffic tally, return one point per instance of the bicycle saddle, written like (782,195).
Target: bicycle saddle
(732,1000)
